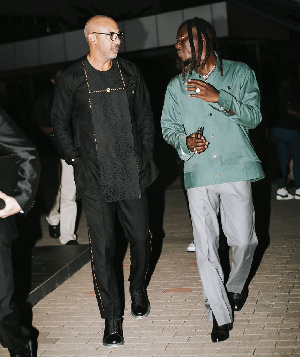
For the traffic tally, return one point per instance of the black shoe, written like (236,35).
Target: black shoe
(72,242)
(220,333)
(140,306)
(54,231)
(237,300)
(113,333)
(25,352)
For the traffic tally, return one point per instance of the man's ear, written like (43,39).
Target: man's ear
(91,38)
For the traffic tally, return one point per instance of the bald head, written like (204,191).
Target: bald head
(103,47)
(96,22)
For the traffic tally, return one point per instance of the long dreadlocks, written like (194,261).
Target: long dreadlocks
(208,31)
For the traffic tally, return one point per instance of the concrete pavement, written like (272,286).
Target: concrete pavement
(70,325)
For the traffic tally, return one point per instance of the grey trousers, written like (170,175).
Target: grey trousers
(234,202)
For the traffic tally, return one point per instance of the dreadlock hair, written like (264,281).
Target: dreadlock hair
(209,33)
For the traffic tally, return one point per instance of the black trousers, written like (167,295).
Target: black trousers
(12,335)
(133,216)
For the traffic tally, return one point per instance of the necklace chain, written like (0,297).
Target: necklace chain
(107,89)
(205,76)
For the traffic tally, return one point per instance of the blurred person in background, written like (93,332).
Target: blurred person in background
(286,134)
(62,215)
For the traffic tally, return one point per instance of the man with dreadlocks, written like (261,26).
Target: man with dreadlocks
(222,98)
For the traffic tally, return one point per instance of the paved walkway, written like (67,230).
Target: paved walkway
(70,326)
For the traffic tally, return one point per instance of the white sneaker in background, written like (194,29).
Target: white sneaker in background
(282,194)
(191,247)
(297,194)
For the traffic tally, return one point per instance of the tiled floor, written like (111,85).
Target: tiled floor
(70,326)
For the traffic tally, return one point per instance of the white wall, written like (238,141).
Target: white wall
(140,34)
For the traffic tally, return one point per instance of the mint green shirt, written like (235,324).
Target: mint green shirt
(230,156)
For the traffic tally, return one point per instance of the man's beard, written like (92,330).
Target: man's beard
(186,62)
(182,64)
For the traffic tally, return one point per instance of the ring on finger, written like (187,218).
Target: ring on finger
(198,90)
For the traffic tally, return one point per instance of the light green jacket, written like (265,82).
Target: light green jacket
(230,156)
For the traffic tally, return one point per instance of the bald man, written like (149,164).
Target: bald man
(104,126)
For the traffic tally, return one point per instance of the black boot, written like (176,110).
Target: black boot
(237,300)
(220,333)
(140,306)
(25,352)
(113,333)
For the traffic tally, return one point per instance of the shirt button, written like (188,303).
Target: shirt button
(218,175)
(73,160)
(212,135)
(222,108)
(215,156)
(210,114)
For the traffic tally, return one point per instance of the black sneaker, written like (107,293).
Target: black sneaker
(113,332)
(140,306)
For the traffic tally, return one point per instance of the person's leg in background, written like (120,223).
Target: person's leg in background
(68,205)
(281,137)
(294,150)
(180,167)
(53,217)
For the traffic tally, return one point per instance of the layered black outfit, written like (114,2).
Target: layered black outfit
(104,126)
(14,143)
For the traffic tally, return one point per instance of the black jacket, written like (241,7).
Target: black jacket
(74,130)
(13,142)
